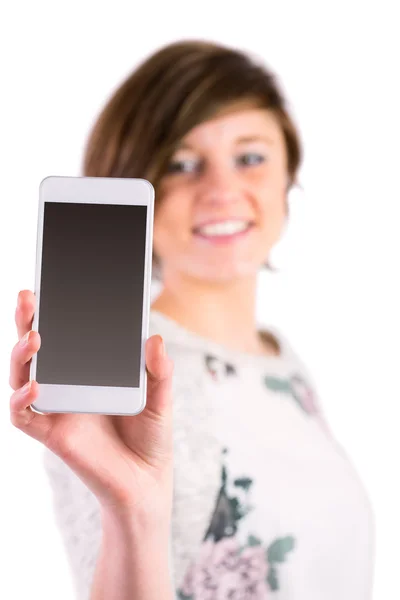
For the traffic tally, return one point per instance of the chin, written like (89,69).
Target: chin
(224,273)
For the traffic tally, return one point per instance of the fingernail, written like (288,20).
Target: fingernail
(25,339)
(27,388)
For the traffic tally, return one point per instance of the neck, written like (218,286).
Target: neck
(224,313)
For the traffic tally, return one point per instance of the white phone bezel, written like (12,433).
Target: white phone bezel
(97,190)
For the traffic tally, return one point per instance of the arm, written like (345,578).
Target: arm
(123,463)
(108,551)
(133,559)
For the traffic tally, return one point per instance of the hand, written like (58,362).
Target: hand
(125,460)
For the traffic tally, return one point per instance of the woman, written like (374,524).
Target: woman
(264,504)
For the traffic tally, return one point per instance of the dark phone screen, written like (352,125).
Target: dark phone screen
(91,294)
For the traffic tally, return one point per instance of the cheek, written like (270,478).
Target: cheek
(274,221)
(272,208)
(270,178)
(171,224)
(271,190)
(276,214)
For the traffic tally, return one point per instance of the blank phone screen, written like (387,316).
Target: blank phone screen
(91,294)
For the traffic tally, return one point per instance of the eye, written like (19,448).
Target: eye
(249,159)
(182,166)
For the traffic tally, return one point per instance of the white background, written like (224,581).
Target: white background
(337,293)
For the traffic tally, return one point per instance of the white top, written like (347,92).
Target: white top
(266,504)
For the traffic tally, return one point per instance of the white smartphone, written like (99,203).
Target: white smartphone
(92,287)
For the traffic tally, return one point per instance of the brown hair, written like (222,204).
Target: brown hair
(178,87)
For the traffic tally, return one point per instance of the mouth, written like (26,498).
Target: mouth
(224,231)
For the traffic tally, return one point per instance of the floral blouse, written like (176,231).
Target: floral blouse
(266,503)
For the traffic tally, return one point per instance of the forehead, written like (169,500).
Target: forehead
(233,126)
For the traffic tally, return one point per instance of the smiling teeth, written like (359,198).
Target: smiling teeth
(224,228)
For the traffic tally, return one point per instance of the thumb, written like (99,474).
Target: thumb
(159,368)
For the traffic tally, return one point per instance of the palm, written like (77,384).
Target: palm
(116,453)
(117,457)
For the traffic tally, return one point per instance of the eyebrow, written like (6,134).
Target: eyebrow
(241,140)
(254,138)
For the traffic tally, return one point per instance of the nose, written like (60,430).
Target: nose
(218,185)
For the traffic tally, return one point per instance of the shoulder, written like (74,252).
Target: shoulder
(288,352)
(301,380)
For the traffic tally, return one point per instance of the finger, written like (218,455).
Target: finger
(159,375)
(26,306)
(21,356)
(35,425)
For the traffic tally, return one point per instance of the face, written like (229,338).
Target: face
(222,203)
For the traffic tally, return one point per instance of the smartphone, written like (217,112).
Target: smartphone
(92,287)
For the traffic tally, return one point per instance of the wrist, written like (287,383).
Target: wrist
(133,522)
(137,539)
(134,559)
(145,511)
